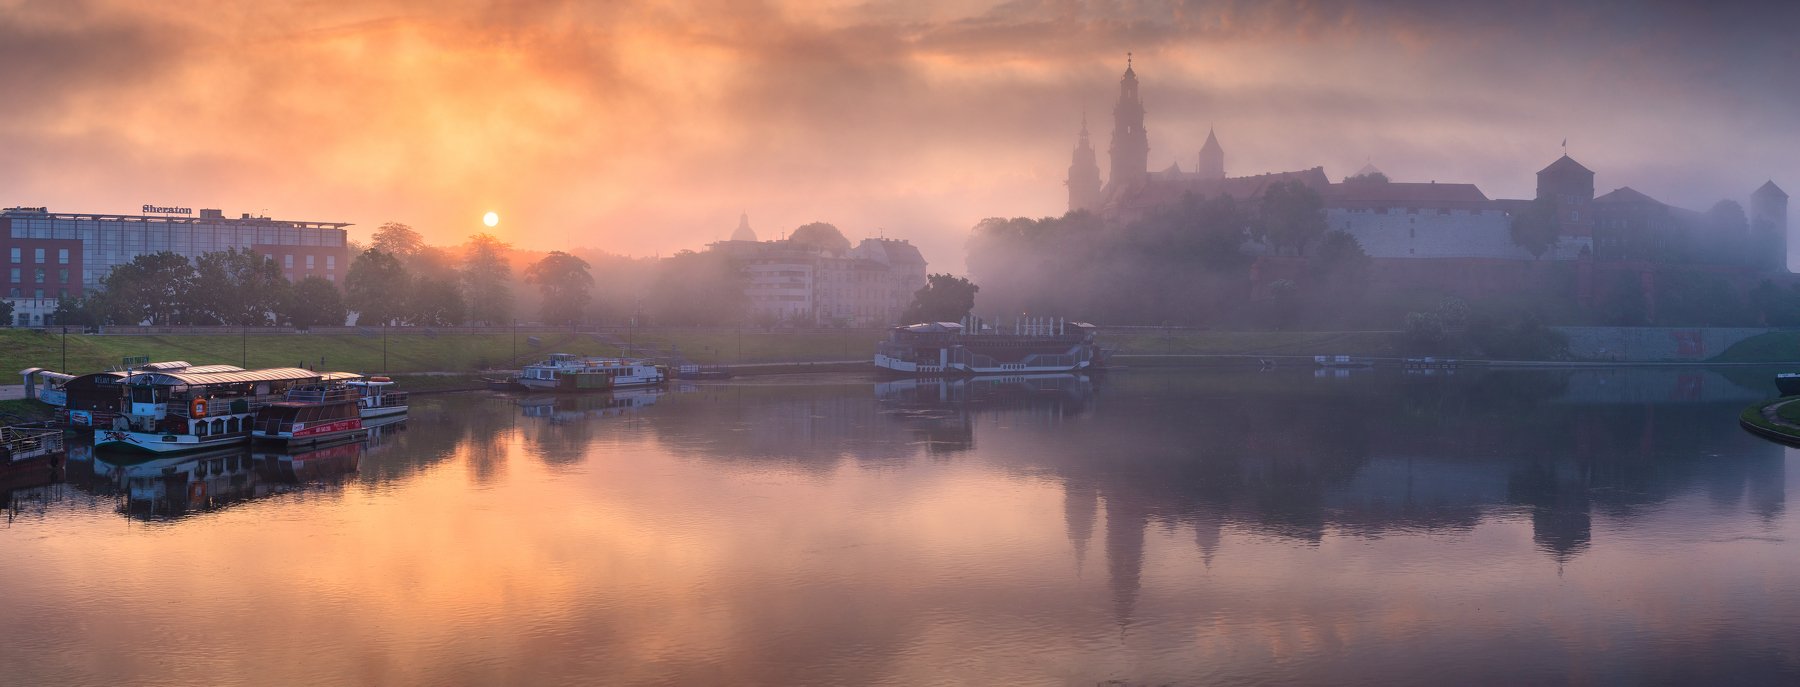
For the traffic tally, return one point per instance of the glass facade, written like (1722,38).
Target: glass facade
(111,240)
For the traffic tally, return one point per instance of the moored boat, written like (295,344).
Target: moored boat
(570,373)
(1035,346)
(377,398)
(179,411)
(311,414)
(28,448)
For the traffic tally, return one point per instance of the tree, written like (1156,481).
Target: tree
(564,281)
(6,312)
(1291,215)
(485,277)
(154,287)
(1535,227)
(1371,178)
(313,301)
(944,298)
(376,287)
(435,302)
(398,240)
(238,287)
(821,235)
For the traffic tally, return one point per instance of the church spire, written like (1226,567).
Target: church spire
(1084,174)
(1130,150)
(1212,158)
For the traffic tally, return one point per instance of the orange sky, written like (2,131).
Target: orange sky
(645,127)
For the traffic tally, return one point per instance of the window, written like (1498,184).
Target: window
(331,278)
(15,275)
(14,293)
(40,255)
(40,293)
(38,276)
(331,262)
(62,276)
(62,256)
(309,262)
(287,261)
(17,255)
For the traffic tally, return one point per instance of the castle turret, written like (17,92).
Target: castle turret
(1571,186)
(1768,226)
(1212,158)
(1130,150)
(1084,175)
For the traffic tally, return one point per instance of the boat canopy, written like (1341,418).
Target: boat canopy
(203,369)
(44,373)
(277,374)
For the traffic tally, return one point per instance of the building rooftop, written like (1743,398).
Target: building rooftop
(1403,194)
(203,218)
(1563,164)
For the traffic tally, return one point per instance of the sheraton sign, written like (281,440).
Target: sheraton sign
(167,210)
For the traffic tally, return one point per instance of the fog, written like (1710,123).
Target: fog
(644,128)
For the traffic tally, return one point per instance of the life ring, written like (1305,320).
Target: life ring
(196,491)
(197,408)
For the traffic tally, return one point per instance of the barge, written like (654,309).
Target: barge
(967,348)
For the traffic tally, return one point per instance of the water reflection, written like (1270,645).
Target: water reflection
(1150,526)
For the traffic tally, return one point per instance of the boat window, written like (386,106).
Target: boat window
(200,428)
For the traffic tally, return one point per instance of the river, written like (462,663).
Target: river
(1151,527)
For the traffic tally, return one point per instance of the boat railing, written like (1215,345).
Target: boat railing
(227,405)
(321,394)
(388,399)
(21,442)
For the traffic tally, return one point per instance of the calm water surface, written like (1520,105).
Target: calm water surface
(1148,528)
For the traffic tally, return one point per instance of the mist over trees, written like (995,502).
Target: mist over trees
(944,298)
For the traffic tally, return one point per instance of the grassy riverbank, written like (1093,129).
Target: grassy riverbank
(412,351)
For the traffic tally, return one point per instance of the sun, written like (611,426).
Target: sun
(490,219)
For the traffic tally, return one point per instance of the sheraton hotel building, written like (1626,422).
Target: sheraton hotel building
(54,255)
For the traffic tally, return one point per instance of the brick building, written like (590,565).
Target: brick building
(55,255)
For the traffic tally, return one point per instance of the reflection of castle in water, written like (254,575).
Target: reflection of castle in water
(1224,452)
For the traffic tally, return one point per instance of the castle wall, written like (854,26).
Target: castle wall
(1440,233)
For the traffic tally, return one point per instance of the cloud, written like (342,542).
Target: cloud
(645,127)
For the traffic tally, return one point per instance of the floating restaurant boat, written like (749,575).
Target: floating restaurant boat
(196,408)
(1033,346)
(311,414)
(571,373)
(376,398)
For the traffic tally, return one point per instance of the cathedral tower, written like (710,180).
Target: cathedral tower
(1130,143)
(1212,158)
(1769,227)
(1084,175)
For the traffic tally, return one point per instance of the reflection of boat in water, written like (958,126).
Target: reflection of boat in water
(568,408)
(175,485)
(979,391)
